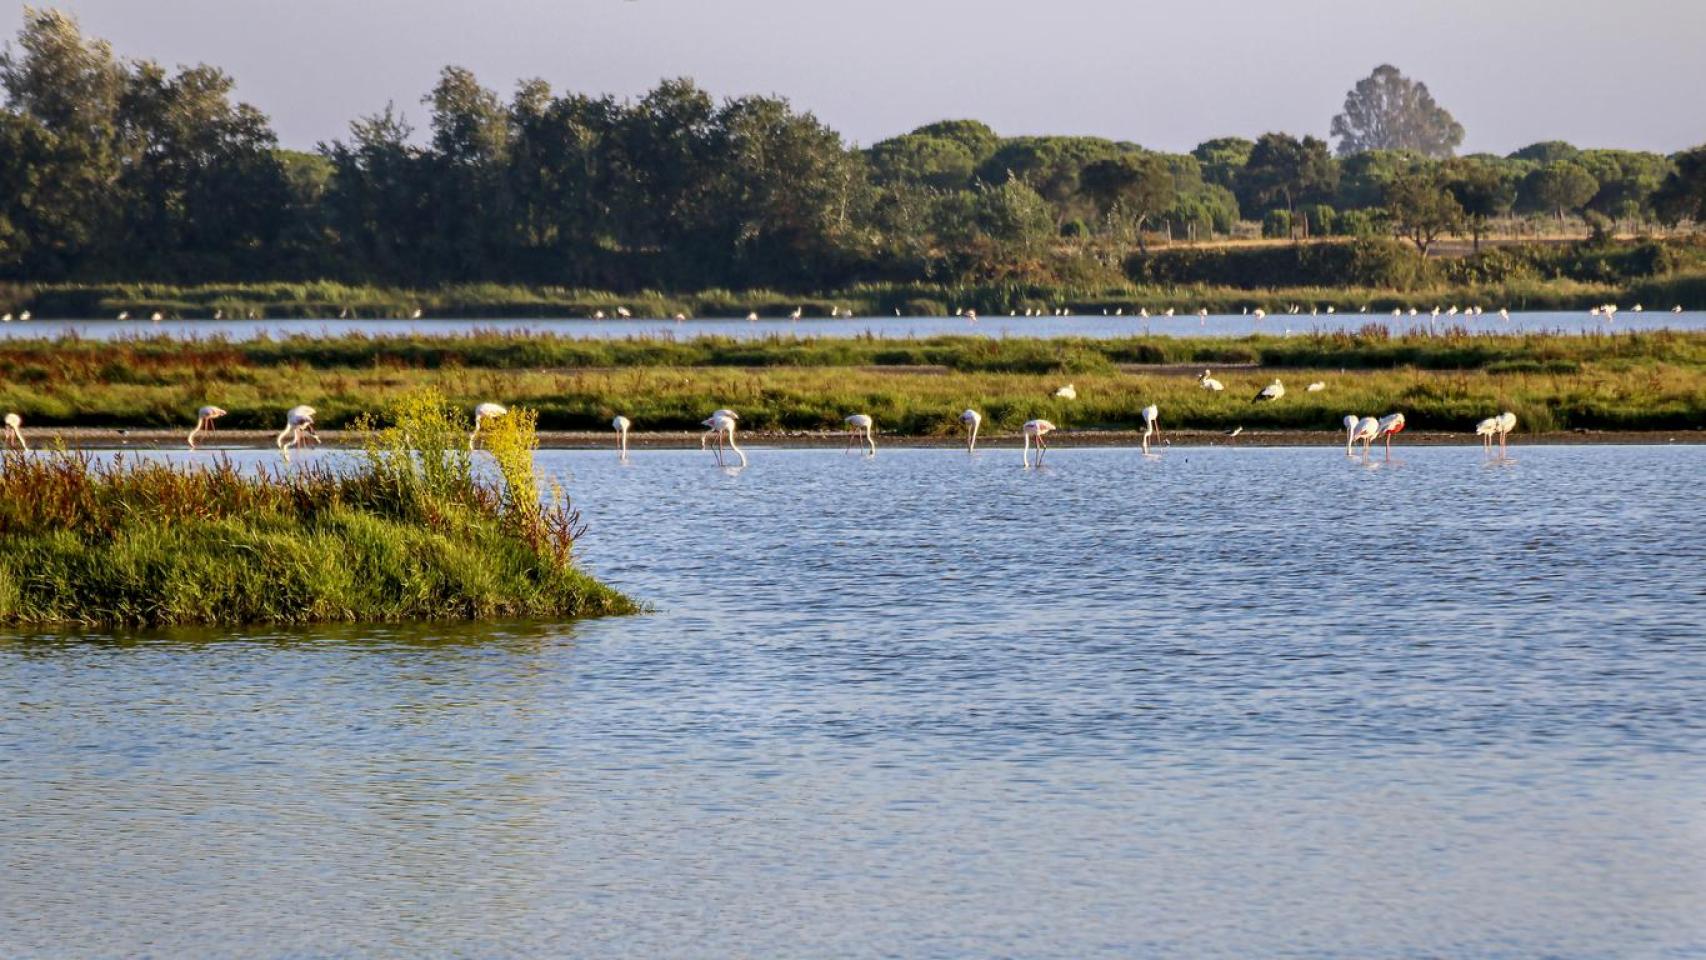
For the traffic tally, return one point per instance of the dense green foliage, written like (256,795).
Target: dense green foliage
(411,533)
(115,170)
(1623,381)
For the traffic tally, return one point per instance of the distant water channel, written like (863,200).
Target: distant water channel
(1224,325)
(1223,703)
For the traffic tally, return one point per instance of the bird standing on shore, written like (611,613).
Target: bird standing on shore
(972,420)
(620,424)
(482,413)
(204,422)
(15,432)
(860,422)
(1270,393)
(1036,430)
(1151,425)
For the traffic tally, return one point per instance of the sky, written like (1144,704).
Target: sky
(1598,73)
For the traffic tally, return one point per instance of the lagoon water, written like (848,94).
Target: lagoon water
(1223,325)
(1222,703)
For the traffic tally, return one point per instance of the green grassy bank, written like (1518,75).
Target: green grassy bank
(1624,381)
(402,537)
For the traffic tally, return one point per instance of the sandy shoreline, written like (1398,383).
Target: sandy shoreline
(106,438)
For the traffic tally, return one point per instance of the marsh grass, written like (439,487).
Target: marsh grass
(407,533)
(1447,380)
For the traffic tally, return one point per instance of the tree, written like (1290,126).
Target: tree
(1627,181)
(1286,171)
(1389,111)
(1682,196)
(1559,187)
(1222,158)
(976,137)
(1481,190)
(917,158)
(1546,151)
(1422,208)
(1128,190)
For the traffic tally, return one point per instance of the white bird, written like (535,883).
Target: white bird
(5,318)
(598,314)
(623,313)
(1315,387)
(1397,311)
(1412,311)
(416,315)
(1504,313)
(720,412)
(1209,383)
(298,424)
(1593,311)
(796,314)
(1143,312)
(482,413)
(204,422)
(1169,311)
(156,317)
(25,316)
(972,420)
(1389,426)
(1364,432)
(971,315)
(1235,431)
(1330,311)
(752,317)
(1637,308)
(1270,393)
(1036,430)
(15,432)
(1676,309)
(621,424)
(723,428)
(855,424)
(679,317)
(1068,392)
(1151,425)
(1259,313)
(1351,421)
(1507,423)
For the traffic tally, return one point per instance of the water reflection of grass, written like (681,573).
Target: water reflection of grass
(411,533)
(1629,381)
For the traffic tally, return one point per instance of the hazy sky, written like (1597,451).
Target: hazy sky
(1623,73)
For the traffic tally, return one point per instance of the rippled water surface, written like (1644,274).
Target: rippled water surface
(1222,703)
(1086,325)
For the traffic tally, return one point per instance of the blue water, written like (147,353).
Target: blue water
(1221,703)
(893,327)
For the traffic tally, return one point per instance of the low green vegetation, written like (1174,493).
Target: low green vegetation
(412,532)
(1623,381)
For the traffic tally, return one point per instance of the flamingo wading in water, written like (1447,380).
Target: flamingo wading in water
(482,413)
(1036,430)
(972,420)
(298,428)
(1389,426)
(720,412)
(723,428)
(204,422)
(855,424)
(621,424)
(1151,425)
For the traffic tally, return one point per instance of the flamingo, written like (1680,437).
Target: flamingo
(1676,309)
(156,317)
(971,316)
(723,427)
(15,432)
(856,423)
(752,317)
(1504,313)
(972,419)
(620,424)
(1350,422)
(1397,311)
(25,316)
(1637,308)
(482,413)
(204,422)
(1209,383)
(6,317)
(796,314)
(623,313)
(1315,387)
(1365,431)
(1387,427)
(298,423)
(719,412)
(1068,392)
(1036,430)
(1259,313)
(1151,424)
(1507,423)
(1270,393)
(598,314)
(415,315)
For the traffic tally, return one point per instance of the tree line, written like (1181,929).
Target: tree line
(119,169)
